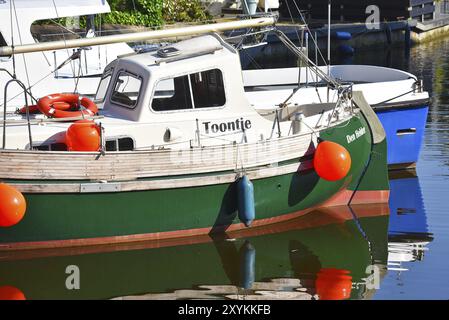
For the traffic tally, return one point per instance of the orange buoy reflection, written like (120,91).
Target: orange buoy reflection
(333,284)
(11,293)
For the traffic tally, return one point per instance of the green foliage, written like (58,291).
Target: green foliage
(184,11)
(155,12)
(137,12)
(148,13)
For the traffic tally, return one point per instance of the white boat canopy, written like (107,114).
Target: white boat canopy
(25,13)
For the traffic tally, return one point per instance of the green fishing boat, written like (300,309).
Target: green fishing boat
(170,147)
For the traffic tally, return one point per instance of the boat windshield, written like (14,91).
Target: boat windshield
(126,90)
(103,87)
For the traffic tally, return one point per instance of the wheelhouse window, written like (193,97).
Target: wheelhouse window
(198,90)
(208,89)
(103,86)
(126,90)
(172,94)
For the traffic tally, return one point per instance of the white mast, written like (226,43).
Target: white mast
(137,36)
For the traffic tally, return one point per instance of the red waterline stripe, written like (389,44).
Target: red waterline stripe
(317,218)
(340,199)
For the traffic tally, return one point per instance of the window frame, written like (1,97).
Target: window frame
(138,77)
(188,74)
(108,73)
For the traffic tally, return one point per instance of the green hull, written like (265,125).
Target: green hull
(67,216)
(298,251)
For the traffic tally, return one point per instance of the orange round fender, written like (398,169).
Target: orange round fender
(331,161)
(12,205)
(55,106)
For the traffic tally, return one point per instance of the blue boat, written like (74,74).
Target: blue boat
(397,97)
(404,126)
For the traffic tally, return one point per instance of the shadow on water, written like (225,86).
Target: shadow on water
(322,255)
(258,259)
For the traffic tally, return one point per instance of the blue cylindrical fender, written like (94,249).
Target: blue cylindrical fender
(246,205)
(341,35)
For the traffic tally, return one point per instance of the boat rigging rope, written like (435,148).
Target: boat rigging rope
(240,44)
(310,32)
(65,28)
(12,42)
(65,43)
(313,67)
(401,95)
(356,218)
(252,60)
(315,42)
(43,78)
(20,39)
(363,233)
(293,20)
(299,41)
(79,75)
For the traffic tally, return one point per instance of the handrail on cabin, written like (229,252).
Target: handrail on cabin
(27,108)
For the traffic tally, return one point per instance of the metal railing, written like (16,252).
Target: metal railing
(27,109)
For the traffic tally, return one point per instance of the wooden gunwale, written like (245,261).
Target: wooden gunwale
(157,184)
(20,164)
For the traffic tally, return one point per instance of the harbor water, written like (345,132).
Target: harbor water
(395,251)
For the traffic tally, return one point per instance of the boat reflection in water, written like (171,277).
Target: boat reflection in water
(408,232)
(321,255)
(329,254)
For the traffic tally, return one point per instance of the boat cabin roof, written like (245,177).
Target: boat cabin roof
(195,75)
(200,47)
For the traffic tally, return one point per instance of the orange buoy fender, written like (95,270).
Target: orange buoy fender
(12,205)
(11,293)
(83,135)
(55,106)
(333,284)
(331,161)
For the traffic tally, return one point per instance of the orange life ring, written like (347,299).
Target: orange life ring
(55,106)
(34,109)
